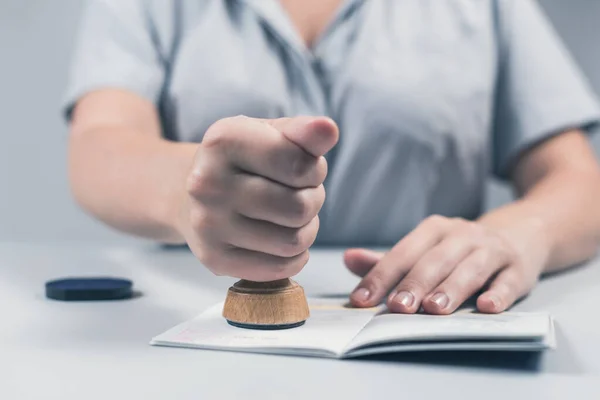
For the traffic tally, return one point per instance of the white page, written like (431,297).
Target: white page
(390,328)
(329,329)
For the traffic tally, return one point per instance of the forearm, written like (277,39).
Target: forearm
(557,221)
(130,181)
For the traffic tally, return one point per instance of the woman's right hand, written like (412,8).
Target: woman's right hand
(253,195)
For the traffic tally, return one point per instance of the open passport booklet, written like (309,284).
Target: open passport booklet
(336,331)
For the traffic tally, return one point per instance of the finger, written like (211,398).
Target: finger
(509,286)
(396,263)
(257,147)
(251,265)
(316,135)
(266,237)
(360,261)
(432,269)
(262,199)
(468,278)
(208,245)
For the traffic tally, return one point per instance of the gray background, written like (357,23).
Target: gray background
(36,37)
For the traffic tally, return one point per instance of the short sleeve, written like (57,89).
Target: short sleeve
(114,48)
(540,90)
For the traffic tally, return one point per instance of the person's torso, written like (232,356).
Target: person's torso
(409,82)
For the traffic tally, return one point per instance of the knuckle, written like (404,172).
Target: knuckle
(471,233)
(297,241)
(510,288)
(219,133)
(280,272)
(504,250)
(413,284)
(435,262)
(439,257)
(291,266)
(474,229)
(514,283)
(435,221)
(458,221)
(300,166)
(306,170)
(204,185)
(404,249)
(465,227)
(481,259)
(375,278)
(293,244)
(321,169)
(195,183)
(321,195)
(479,272)
(298,264)
(302,206)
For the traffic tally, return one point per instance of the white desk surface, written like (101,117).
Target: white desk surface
(60,350)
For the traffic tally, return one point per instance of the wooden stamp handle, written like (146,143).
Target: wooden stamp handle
(266,305)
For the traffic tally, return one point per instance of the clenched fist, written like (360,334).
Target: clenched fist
(253,195)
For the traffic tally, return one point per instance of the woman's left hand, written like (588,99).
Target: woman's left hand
(442,263)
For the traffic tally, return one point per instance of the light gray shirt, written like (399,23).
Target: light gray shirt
(431,97)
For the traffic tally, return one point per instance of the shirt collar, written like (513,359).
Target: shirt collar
(276,18)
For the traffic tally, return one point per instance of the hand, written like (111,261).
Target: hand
(441,264)
(253,195)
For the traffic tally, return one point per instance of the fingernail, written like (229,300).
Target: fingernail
(441,300)
(391,296)
(495,301)
(361,294)
(405,298)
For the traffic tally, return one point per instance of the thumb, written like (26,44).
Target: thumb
(315,135)
(360,261)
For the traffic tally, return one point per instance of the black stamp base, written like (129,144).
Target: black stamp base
(265,327)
